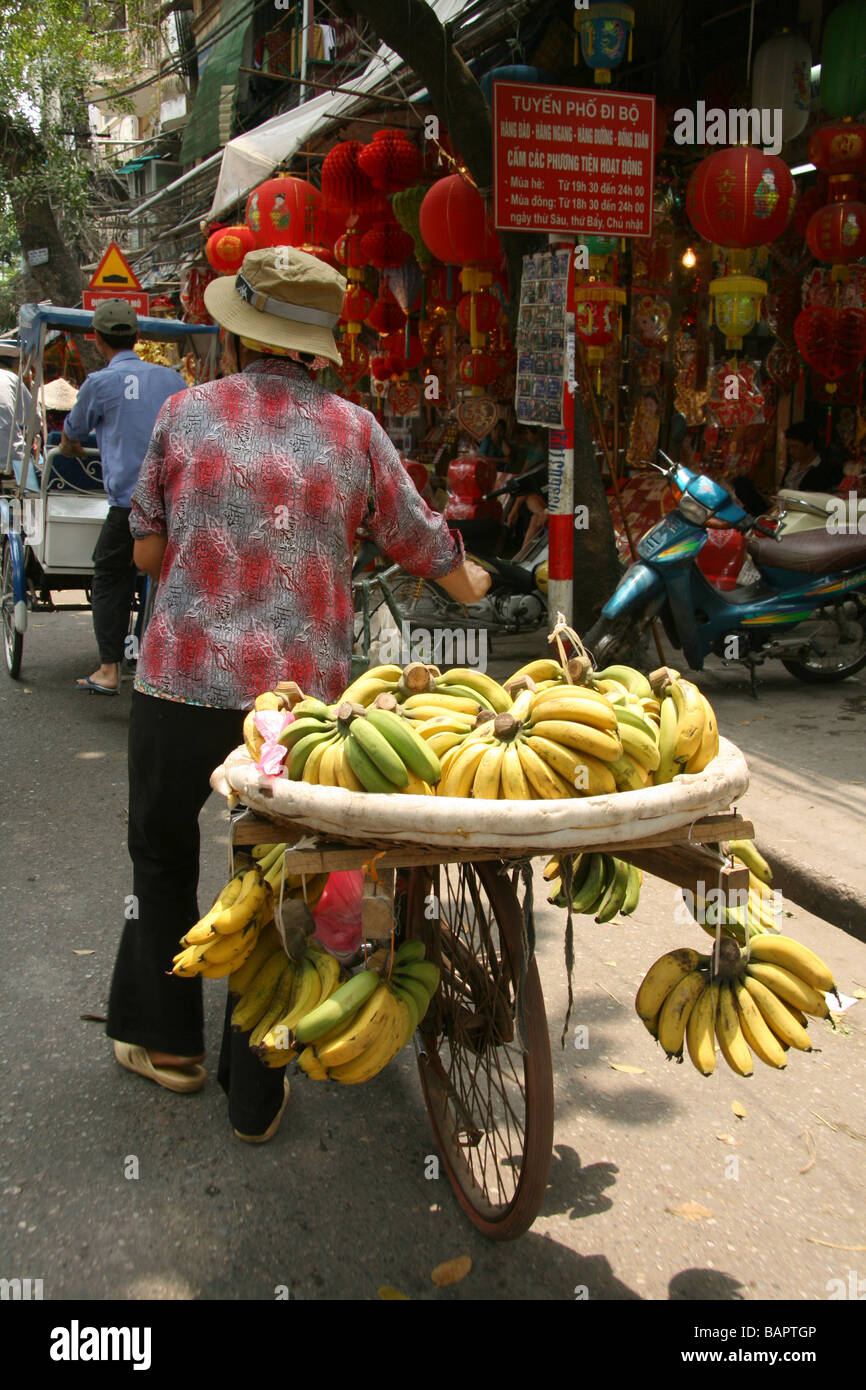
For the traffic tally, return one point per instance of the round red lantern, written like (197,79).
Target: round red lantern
(740,197)
(839,150)
(386,314)
(347,249)
(390,161)
(837,233)
(321,253)
(487,312)
(226,248)
(833,341)
(386,244)
(454,224)
(478,369)
(345,186)
(278,210)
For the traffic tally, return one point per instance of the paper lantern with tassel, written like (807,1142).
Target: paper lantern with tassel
(455,226)
(740,197)
(837,233)
(780,81)
(605,32)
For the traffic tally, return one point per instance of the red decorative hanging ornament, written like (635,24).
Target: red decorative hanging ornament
(596,319)
(782,306)
(455,226)
(783,365)
(356,360)
(225,249)
(833,341)
(356,306)
(477,369)
(403,350)
(278,211)
(837,234)
(391,162)
(385,245)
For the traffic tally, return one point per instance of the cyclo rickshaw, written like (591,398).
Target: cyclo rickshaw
(51,513)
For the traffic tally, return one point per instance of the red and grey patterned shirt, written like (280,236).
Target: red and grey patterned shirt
(260,482)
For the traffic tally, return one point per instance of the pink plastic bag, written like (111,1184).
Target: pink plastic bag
(338,914)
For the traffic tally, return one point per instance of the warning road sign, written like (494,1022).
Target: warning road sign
(114,272)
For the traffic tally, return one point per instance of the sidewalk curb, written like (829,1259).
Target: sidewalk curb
(826,897)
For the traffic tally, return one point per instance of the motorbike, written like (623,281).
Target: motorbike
(806,606)
(517,598)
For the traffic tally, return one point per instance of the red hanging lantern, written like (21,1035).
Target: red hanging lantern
(487,312)
(833,341)
(386,315)
(347,249)
(345,186)
(391,162)
(596,319)
(321,253)
(454,224)
(404,357)
(278,210)
(740,197)
(386,244)
(226,248)
(380,369)
(839,151)
(478,369)
(808,204)
(837,233)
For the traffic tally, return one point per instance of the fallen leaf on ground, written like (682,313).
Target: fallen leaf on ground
(810,1145)
(451,1272)
(82,953)
(831,1245)
(738,1109)
(388,1294)
(632,1071)
(860,994)
(690,1211)
(729,1139)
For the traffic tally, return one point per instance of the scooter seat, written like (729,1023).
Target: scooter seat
(809,552)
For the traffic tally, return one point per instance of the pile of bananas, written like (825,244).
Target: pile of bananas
(758,1000)
(280,993)
(600,884)
(547,733)
(369,1019)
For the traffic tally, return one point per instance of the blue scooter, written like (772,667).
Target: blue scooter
(806,609)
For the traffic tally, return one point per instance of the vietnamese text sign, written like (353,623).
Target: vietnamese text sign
(139,299)
(568,159)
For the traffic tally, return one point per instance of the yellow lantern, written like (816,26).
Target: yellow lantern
(737,300)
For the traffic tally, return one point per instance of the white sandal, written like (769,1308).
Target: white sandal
(135,1058)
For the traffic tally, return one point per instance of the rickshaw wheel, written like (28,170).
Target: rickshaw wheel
(13,641)
(490,1102)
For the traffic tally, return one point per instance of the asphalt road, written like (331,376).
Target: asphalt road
(658,1189)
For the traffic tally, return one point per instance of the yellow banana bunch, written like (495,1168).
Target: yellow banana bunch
(222,940)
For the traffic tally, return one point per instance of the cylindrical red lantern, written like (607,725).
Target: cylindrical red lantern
(226,248)
(478,369)
(455,226)
(390,161)
(345,186)
(386,245)
(740,197)
(837,233)
(357,304)
(278,211)
(839,151)
(488,312)
(347,249)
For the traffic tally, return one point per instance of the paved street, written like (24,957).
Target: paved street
(659,1190)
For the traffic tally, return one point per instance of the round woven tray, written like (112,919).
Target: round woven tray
(446,822)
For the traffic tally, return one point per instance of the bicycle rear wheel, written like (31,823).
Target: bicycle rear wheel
(490,1102)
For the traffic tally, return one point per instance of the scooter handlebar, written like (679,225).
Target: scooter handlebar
(514,484)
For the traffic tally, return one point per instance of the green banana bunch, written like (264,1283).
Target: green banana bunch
(601,884)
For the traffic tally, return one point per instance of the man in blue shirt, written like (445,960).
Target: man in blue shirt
(120,403)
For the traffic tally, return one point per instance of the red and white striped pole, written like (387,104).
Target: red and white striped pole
(560,493)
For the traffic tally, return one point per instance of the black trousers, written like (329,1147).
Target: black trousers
(173,748)
(114,576)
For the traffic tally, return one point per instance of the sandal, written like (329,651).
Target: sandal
(273,1126)
(135,1058)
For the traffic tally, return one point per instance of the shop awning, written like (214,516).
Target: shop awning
(253,156)
(212,116)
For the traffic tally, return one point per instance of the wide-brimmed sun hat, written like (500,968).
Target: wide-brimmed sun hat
(59,394)
(283,298)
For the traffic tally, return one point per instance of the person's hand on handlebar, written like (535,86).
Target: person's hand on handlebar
(467,585)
